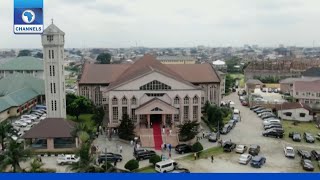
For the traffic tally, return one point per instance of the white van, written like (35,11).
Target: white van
(271,121)
(165,166)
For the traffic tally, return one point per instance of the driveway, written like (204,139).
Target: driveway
(247,132)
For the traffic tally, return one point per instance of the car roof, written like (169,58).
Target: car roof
(245,155)
(254,145)
(165,162)
(257,158)
(288,147)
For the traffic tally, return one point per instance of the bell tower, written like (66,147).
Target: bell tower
(53,56)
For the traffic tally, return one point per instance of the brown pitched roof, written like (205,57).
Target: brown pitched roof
(307,86)
(101,73)
(146,64)
(107,73)
(196,73)
(51,128)
(292,105)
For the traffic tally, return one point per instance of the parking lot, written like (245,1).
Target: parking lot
(249,131)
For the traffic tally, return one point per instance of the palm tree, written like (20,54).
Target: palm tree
(14,154)
(5,129)
(86,161)
(35,166)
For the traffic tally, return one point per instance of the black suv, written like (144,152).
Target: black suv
(308,137)
(183,148)
(229,146)
(315,154)
(143,154)
(226,129)
(304,154)
(272,126)
(254,150)
(109,157)
(273,133)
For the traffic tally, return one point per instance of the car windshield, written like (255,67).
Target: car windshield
(290,150)
(244,156)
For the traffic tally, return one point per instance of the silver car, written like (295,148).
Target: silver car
(245,158)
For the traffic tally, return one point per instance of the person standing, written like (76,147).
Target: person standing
(115,164)
(169,155)
(195,156)
(170,132)
(120,149)
(212,158)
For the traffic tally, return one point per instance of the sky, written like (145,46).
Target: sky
(172,23)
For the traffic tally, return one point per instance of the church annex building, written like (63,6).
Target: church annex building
(150,92)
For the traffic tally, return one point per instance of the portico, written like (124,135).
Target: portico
(157,107)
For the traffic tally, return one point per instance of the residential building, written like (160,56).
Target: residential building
(18,94)
(220,65)
(22,65)
(307,92)
(176,59)
(295,111)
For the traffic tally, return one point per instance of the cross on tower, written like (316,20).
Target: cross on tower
(51,21)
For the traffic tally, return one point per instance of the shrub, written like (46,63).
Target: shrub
(154,159)
(197,147)
(132,165)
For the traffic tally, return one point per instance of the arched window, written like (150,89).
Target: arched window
(186,100)
(124,101)
(133,101)
(114,101)
(85,91)
(155,85)
(176,100)
(195,100)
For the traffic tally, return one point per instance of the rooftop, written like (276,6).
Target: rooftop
(312,72)
(292,105)
(22,63)
(175,58)
(307,86)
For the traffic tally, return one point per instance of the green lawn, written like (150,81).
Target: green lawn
(206,153)
(83,118)
(148,169)
(302,127)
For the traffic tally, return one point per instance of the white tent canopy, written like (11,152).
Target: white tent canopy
(218,62)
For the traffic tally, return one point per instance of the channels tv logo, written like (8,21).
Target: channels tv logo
(28,17)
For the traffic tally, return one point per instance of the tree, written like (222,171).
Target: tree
(154,159)
(85,163)
(69,99)
(197,147)
(132,165)
(230,82)
(126,128)
(5,129)
(36,166)
(79,106)
(38,55)
(188,130)
(104,58)
(14,155)
(206,106)
(98,114)
(24,52)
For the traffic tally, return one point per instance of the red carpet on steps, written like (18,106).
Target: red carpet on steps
(157,135)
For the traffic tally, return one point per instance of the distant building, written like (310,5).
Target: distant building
(176,59)
(22,65)
(294,111)
(220,65)
(307,92)
(313,72)
(18,94)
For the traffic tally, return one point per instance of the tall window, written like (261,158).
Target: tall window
(97,96)
(52,106)
(124,101)
(124,110)
(195,112)
(211,93)
(54,87)
(155,85)
(133,115)
(49,38)
(195,100)
(50,70)
(176,100)
(51,88)
(85,92)
(114,101)
(186,112)
(134,101)
(186,100)
(49,54)
(115,113)
(53,72)
(55,105)
(52,55)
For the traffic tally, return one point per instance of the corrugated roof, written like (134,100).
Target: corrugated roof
(292,105)
(51,128)
(307,86)
(16,90)
(22,63)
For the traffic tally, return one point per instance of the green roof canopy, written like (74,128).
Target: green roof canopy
(22,63)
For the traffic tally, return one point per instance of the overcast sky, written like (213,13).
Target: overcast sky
(172,23)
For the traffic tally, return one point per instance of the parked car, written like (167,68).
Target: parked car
(307,164)
(289,152)
(226,129)
(292,133)
(258,109)
(315,154)
(265,114)
(269,115)
(296,137)
(272,133)
(67,159)
(166,166)
(308,137)
(272,126)
(236,117)
(304,154)
(232,123)
(183,148)
(28,117)
(241,149)
(263,110)
(28,121)
(272,121)
(254,149)
(213,137)
(255,107)
(229,146)
(20,124)
(109,157)
(258,161)
(144,154)
(245,158)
